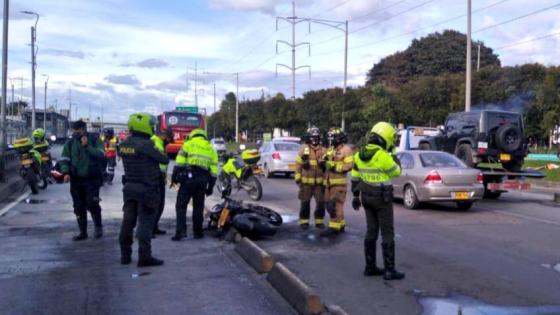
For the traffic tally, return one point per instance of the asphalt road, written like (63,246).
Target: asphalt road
(43,272)
(499,255)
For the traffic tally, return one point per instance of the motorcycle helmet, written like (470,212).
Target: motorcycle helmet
(337,136)
(141,123)
(384,135)
(250,156)
(198,133)
(313,136)
(109,133)
(38,135)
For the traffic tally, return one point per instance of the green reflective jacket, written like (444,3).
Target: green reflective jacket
(380,169)
(160,146)
(198,152)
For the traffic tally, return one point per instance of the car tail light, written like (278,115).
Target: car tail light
(482,151)
(433,178)
(276,156)
(480,178)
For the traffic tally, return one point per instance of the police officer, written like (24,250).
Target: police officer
(110,143)
(309,177)
(337,162)
(374,167)
(141,189)
(40,144)
(81,163)
(160,140)
(196,172)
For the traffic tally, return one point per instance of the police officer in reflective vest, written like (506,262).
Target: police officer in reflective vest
(160,140)
(196,172)
(309,177)
(374,167)
(110,144)
(337,162)
(141,193)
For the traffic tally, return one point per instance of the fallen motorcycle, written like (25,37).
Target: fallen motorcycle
(239,171)
(250,220)
(30,165)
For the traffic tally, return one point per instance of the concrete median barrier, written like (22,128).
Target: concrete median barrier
(295,291)
(335,310)
(254,255)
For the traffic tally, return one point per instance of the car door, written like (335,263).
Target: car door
(452,130)
(407,163)
(265,153)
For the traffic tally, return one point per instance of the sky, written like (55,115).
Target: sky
(111,58)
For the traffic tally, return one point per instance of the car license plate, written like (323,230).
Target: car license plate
(461,195)
(505,157)
(292,167)
(26,162)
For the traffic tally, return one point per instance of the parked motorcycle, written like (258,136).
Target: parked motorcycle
(239,172)
(46,168)
(30,165)
(250,220)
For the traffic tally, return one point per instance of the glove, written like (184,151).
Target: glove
(356,203)
(306,165)
(322,165)
(330,165)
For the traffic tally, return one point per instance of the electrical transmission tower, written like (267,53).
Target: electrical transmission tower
(293,20)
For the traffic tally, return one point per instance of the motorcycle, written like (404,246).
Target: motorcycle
(245,219)
(239,171)
(30,165)
(46,169)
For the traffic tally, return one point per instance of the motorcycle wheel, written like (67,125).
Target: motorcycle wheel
(273,217)
(254,188)
(42,182)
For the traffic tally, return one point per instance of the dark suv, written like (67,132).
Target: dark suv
(482,136)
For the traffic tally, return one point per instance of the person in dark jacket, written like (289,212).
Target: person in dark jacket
(81,163)
(142,176)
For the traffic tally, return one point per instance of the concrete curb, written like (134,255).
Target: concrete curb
(254,255)
(10,187)
(335,310)
(297,293)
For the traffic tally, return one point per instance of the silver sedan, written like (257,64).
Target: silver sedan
(431,176)
(279,157)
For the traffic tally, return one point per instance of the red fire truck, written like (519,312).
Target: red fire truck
(181,121)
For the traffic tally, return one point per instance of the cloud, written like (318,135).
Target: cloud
(127,79)
(265,6)
(65,53)
(151,63)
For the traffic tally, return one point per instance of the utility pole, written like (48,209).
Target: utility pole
(469,57)
(293,20)
(45,106)
(33,65)
(236,99)
(70,104)
(13,98)
(214,132)
(478,60)
(3,137)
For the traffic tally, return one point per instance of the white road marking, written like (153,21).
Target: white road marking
(526,217)
(14,203)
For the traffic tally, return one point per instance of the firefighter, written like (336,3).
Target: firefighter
(110,143)
(374,167)
(309,178)
(141,189)
(81,163)
(196,172)
(337,162)
(160,140)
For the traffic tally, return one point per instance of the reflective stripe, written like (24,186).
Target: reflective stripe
(299,159)
(319,221)
(392,169)
(348,159)
(297,176)
(313,162)
(202,157)
(371,171)
(303,221)
(337,226)
(311,180)
(335,181)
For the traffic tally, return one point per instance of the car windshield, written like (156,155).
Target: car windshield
(439,160)
(286,146)
(499,119)
(219,142)
(183,120)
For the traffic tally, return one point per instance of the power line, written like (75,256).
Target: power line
(517,18)
(528,41)
(375,12)
(330,9)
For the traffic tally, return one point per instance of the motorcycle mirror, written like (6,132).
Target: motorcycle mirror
(441,128)
(242,147)
(53,138)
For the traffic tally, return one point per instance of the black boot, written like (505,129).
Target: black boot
(96,217)
(370,252)
(304,209)
(389,262)
(98,232)
(179,235)
(82,225)
(150,262)
(158,231)
(126,256)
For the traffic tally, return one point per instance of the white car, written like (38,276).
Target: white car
(279,157)
(219,145)
(409,138)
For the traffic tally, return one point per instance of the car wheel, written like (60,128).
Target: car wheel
(508,138)
(464,205)
(410,199)
(465,153)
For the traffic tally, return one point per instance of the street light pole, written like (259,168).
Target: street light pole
(45,105)
(4,82)
(469,57)
(33,65)
(236,100)
(343,123)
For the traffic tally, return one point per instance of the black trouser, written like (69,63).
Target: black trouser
(162,184)
(109,169)
(194,188)
(136,210)
(85,197)
(379,216)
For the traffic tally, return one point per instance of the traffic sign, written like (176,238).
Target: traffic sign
(190,109)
